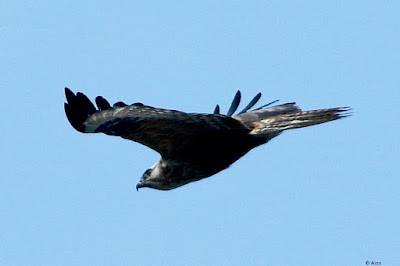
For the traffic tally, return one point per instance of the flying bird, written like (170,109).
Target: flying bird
(192,146)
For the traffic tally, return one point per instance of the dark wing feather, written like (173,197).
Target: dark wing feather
(77,115)
(235,104)
(172,133)
(266,105)
(216,110)
(251,103)
(102,103)
(119,104)
(236,101)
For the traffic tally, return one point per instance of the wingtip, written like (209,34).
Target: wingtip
(235,103)
(77,109)
(216,110)
(69,94)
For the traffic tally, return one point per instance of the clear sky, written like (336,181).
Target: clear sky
(324,195)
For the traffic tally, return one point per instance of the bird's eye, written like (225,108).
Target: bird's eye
(146,174)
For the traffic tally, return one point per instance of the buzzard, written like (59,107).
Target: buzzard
(192,146)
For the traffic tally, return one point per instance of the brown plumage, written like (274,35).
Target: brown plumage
(192,146)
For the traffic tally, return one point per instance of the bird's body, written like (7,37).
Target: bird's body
(192,146)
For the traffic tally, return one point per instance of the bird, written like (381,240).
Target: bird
(192,146)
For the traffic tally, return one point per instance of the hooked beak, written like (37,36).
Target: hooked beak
(138,186)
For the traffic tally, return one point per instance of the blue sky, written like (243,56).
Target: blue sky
(325,195)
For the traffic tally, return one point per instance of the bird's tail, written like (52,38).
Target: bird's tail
(281,122)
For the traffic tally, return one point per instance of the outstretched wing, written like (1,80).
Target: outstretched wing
(171,133)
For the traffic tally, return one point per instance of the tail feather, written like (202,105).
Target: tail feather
(279,123)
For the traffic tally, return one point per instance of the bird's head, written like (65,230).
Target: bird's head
(153,178)
(164,175)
